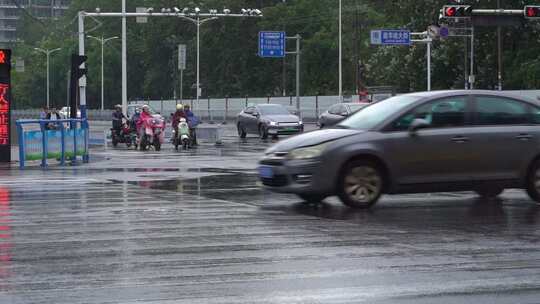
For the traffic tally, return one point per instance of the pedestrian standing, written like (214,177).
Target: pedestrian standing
(44,112)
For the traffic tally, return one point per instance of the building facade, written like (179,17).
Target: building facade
(12,10)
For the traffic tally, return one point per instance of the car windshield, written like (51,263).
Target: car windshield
(370,116)
(273,110)
(357,106)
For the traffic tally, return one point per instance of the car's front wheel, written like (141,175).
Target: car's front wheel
(360,184)
(533,182)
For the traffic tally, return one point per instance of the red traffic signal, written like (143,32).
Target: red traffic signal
(532,11)
(457,11)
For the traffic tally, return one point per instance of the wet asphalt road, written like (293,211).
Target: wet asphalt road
(195,227)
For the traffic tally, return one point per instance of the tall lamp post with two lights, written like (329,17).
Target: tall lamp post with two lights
(102,40)
(48,53)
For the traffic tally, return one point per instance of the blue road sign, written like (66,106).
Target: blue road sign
(444,32)
(391,37)
(272,44)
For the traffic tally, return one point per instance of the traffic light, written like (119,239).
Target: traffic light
(76,61)
(76,73)
(457,11)
(532,11)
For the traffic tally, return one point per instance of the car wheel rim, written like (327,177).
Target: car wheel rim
(363,184)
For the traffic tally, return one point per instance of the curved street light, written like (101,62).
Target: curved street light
(47,53)
(102,40)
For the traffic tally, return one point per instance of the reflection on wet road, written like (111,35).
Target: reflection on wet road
(198,229)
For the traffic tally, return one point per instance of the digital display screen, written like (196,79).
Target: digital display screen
(5,105)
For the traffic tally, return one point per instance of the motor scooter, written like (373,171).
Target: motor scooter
(152,133)
(182,136)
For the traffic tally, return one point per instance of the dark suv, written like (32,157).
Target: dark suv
(482,141)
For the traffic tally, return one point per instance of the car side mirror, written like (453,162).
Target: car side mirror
(256,115)
(418,124)
(344,114)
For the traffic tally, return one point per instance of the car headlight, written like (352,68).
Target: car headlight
(300,122)
(307,152)
(274,124)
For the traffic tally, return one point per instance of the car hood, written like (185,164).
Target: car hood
(311,139)
(282,118)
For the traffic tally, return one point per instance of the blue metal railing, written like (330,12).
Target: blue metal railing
(63,139)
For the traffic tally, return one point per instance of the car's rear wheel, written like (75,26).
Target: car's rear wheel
(263,133)
(533,182)
(241,131)
(312,198)
(360,184)
(489,192)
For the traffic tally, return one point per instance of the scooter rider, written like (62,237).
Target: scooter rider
(193,121)
(117,117)
(145,114)
(177,115)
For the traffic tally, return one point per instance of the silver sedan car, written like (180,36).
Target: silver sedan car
(481,141)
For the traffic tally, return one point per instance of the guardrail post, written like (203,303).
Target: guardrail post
(45,146)
(246,101)
(268,99)
(22,154)
(86,155)
(210,112)
(290,101)
(74,159)
(226,114)
(62,145)
(316,107)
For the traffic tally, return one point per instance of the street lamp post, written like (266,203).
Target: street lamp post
(47,53)
(102,40)
(340,58)
(198,22)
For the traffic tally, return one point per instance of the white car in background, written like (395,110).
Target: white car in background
(64,112)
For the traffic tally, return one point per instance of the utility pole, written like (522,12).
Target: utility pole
(124,58)
(499,53)
(340,58)
(356,49)
(298,38)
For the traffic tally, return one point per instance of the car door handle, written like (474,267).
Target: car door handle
(460,139)
(524,137)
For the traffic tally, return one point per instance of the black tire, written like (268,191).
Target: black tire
(321,126)
(533,178)
(312,198)
(263,133)
(489,192)
(128,142)
(360,184)
(241,132)
(114,142)
(275,137)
